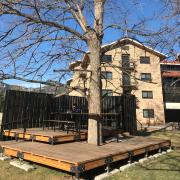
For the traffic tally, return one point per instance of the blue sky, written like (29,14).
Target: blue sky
(134,13)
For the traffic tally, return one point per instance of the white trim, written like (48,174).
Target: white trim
(172,106)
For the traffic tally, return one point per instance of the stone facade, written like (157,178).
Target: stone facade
(154,103)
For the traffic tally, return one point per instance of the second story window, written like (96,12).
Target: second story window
(144,60)
(146,76)
(106,75)
(147,94)
(106,59)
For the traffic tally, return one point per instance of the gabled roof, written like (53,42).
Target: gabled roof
(119,43)
(135,42)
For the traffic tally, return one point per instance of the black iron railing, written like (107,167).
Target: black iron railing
(171,94)
(118,112)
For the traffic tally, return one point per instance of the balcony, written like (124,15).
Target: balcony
(129,84)
(128,65)
(171,94)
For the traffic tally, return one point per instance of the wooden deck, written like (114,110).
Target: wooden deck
(46,135)
(77,157)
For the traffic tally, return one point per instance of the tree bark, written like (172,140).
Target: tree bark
(94,124)
(88,34)
(94,43)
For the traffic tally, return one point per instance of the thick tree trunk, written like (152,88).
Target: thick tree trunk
(94,43)
(95,125)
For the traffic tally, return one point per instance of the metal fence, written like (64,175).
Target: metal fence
(29,110)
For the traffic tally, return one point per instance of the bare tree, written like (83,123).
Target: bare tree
(39,35)
(36,22)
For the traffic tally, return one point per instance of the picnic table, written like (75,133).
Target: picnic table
(69,121)
(61,124)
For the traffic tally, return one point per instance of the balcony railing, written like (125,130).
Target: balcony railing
(171,94)
(171,89)
(128,65)
(170,67)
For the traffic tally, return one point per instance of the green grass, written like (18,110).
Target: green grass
(165,167)
(8,172)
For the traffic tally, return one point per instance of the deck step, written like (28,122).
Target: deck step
(46,136)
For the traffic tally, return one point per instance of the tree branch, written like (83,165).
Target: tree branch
(49,83)
(40,21)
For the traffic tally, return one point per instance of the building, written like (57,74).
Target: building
(130,67)
(171,89)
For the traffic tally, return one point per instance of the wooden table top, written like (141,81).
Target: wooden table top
(59,121)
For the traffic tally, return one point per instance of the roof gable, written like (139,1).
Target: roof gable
(125,41)
(116,44)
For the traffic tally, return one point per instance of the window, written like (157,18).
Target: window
(148,113)
(145,60)
(125,47)
(107,58)
(106,75)
(146,76)
(126,80)
(106,92)
(125,60)
(147,94)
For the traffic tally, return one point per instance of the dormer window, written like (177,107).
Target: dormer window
(125,48)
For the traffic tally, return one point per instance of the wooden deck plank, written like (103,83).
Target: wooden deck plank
(39,134)
(81,152)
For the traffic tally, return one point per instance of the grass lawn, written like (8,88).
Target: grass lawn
(165,167)
(8,172)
